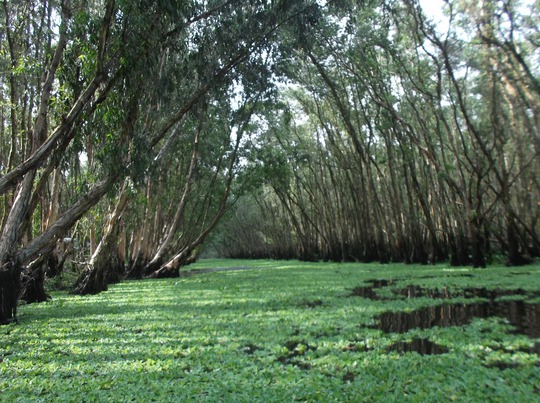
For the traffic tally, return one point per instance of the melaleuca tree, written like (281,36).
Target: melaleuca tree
(226,52)
(419,135)
(50,129)
(103,61)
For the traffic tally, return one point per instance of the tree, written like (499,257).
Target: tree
(41,146)
(414,144)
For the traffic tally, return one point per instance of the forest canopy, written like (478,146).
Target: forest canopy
(136,135)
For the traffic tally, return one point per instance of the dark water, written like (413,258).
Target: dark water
(421,346)
(414,291)
(369,291)
(525,317)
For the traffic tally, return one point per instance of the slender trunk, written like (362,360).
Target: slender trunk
(33,284)
(62,134)
(11,260)
(105,263)
(140,250)
(157,260)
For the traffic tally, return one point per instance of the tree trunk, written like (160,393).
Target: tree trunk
(516,257)
(172,268)
(158,258)
(105,264)
(10,285)
(42,146)
(140,239)
(33,282)
(477,243)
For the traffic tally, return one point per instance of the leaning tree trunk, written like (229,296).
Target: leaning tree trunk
(10,266)
(104,264)
(143,237)
(189,254)
(171,269)
(159,256)
(33,281)
(12,260)
(39,248)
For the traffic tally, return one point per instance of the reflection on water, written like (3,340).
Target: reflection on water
(421,346)
(415,291)
(523,316)
(369,291)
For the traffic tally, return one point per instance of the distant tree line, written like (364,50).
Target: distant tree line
(401,140)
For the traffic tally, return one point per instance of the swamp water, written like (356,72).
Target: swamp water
(522,315)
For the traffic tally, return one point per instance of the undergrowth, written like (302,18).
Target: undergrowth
(276,331)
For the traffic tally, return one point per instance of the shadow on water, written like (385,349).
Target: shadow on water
(413,291)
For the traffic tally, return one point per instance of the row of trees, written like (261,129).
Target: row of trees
(418,142)
(122,125)
(129,128)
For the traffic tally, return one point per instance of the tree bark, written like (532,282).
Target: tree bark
(12,230)
(105,264)
(46,241)
(33,281)
(157,260)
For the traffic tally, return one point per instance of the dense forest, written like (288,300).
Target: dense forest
(136,135)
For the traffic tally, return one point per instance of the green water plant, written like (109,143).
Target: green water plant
(273,331)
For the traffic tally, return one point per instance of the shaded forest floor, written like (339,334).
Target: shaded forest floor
(284,331)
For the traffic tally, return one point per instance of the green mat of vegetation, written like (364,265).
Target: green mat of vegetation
(278,331)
